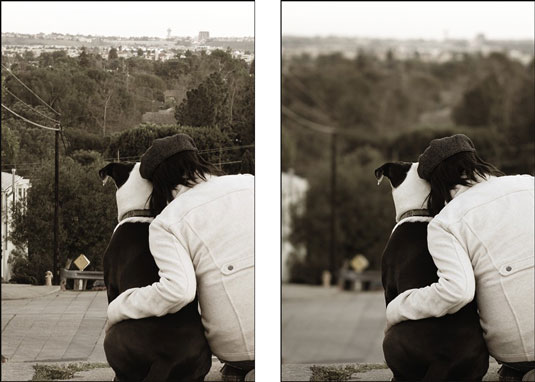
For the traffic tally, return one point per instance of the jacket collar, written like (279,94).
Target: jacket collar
(180,189)
(459,189)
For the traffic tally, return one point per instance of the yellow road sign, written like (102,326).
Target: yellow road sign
(360,263)
(81,262)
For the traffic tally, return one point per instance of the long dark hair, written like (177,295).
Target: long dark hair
(184,168)
(460,169)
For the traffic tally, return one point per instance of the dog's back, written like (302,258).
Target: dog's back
(446,348)
(168,348)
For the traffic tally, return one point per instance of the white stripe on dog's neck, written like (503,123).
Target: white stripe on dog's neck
(412,219)
(134,219)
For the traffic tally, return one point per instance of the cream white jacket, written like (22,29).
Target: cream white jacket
(203,241)
(482,244)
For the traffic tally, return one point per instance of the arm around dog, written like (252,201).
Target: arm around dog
(454,289)
(176,288)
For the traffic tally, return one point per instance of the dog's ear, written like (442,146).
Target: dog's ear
(396,172)
(119,172)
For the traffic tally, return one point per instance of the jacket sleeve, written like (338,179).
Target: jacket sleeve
(455,287)
(176,288)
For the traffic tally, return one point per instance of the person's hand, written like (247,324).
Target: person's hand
(389,318)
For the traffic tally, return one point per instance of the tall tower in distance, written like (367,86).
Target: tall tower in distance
(168,33)
(204,35)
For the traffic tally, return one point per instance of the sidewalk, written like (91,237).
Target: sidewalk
(327,325)
(22,291)
(46,326)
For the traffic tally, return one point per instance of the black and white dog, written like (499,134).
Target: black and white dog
(433,349)
(168,348)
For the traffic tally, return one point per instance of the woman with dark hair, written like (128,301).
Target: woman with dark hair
(202,240)
(482,241)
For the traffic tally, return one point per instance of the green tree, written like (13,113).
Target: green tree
(247,163)
(10,145)
(365,216)
(131,144)
(87,216)
(208,105)
(243,112)
(112,54)
(83,58)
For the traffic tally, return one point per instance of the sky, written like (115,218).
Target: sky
(126,19)
(427,20)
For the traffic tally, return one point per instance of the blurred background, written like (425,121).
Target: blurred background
(367,83)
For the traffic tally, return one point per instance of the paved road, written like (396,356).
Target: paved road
(62,326)
(326,325)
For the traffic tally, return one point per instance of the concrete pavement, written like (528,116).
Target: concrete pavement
(62,326)
(44,325)
(329,327)
(326,325)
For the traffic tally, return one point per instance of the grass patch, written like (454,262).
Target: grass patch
(341,374)
(52,372)
(332,373)
(371,366)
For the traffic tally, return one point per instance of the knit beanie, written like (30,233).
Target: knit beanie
(162,149)
(440,149)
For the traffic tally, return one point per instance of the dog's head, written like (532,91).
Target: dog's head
(409,191)
(133,192)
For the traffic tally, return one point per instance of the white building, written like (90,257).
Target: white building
(10,194)
(203,36)
(294,189)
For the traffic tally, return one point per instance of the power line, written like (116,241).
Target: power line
(225,149)
(310,94)
(307,123)
(31,107)
(28,121)
(206,151)
(30,165)
(133,157)
(233,162)
(30,90)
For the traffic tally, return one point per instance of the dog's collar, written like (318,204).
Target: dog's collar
(411,213)
(136,213)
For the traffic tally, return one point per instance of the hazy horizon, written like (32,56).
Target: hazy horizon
(131,19)
(409,20)
(398,38)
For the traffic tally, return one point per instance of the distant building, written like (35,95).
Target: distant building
(203,35)
(294,189)
(162,117)
(174,96)
(10,194)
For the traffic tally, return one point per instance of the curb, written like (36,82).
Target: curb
(23,291)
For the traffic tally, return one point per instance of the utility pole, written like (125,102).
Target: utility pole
(56,210)
(332,252)
(13,171)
